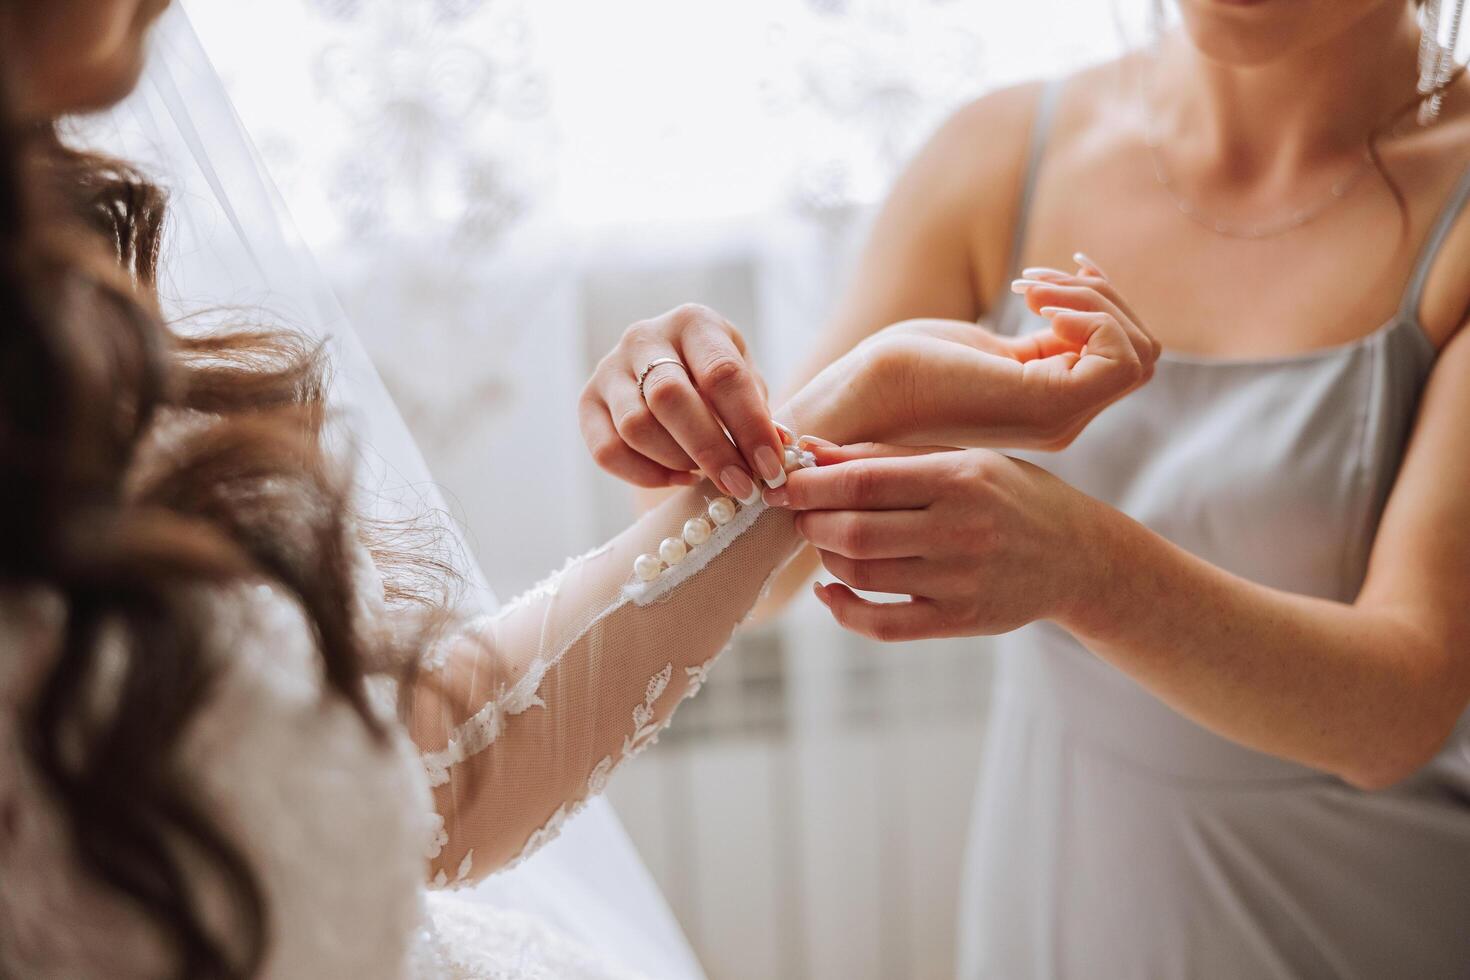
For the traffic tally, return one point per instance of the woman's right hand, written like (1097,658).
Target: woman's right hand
(711,415)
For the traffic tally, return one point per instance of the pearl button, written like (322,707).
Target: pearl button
(672,550)
(697,530)
(647,567)
(722,510)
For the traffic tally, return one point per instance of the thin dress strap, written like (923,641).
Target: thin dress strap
(1040,129)
(1414,291)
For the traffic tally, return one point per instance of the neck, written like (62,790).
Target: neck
(1266,123)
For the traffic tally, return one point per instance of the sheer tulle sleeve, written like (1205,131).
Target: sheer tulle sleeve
(523,716)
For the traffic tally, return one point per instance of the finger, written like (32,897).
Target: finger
(1091,274)
(864,534)
(1037,345)
(1076,295)
(677,406)
(899,576)
(615,456)
(1046,273)
(890,622)
(1109,365)
(727,382)
(1091,267)
(639,427)
(828,453)
(896,483)
(1149,350)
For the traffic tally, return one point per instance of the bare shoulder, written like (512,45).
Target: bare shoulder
(979,152)
(985,147)
(1443,162)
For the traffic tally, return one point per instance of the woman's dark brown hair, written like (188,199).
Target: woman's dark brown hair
(134,546)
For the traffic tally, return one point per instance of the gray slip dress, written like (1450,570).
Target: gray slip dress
(1114,838)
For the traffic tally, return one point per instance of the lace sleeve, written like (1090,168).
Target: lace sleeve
(522,717)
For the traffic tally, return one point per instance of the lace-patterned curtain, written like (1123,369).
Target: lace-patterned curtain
(497,188)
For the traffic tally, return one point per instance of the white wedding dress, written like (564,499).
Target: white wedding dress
(525,714)
(363,848)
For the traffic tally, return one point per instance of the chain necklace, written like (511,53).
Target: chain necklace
(1251,231)
(1254,230)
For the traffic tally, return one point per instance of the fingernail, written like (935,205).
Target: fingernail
(739,483)
(1021,285)
(787,436)
(769,465)
(1036,271)
(1052,310)
(777,497)
(807,442)
(821,593)
(1081,259)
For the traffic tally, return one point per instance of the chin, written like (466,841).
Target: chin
(1257,32)
(89,55)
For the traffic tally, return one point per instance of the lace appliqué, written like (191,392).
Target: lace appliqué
(466,865)
(438,837)
(643,724)
(698,675)
(480,730)
(646,729)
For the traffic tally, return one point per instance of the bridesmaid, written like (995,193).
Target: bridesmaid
(1230,736)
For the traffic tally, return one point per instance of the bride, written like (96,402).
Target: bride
(244,731)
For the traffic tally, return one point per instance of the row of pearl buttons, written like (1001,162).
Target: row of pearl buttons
(697,530)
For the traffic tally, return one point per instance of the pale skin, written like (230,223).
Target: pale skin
(1261,107)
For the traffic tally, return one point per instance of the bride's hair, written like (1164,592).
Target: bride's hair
(129,534)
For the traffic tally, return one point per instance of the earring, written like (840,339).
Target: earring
(1436,58)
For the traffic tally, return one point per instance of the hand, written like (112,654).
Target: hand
(680,420)
(981,542)
(952,383)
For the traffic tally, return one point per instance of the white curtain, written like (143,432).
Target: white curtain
(497,188)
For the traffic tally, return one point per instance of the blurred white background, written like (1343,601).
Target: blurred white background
(496,189)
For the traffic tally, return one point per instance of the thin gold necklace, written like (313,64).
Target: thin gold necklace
(1252,231)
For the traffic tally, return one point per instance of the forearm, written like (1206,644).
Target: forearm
(1362,691)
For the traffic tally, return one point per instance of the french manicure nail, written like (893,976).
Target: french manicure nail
(806,442)
(739,483)
(1041,270)
(787,436)
(769,465)
(1052,310)
(1081,259)
(776,497)
(821,593)
(1021,285)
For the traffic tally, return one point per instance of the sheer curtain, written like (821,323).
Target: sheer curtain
(496,188)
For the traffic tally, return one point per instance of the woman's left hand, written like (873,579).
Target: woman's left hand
(983,543)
